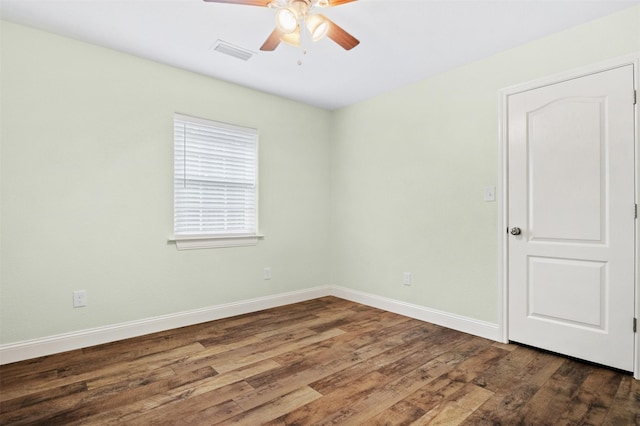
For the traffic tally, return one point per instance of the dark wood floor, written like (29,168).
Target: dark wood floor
(326,361)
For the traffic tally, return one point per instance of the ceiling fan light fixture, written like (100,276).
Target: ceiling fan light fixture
(292,39)
(318,27)
(286,20)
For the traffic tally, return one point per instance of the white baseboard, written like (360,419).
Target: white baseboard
(35,348)
(28,349)
(456,322)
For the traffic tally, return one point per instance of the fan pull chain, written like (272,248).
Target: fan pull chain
(304,52)
(303,38)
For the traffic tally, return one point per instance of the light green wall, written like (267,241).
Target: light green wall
(351,198)
(87,161)
(409,169)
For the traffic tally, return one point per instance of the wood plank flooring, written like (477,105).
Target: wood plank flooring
(325,361)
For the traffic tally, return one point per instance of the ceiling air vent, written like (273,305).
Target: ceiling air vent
(231,50)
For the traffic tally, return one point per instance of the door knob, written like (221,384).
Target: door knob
(515,231)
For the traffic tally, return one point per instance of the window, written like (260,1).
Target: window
(215,183)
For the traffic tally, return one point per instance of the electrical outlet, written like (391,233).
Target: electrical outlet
(267,273)
(406,278)
(79,298)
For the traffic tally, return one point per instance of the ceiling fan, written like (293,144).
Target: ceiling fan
(296,21)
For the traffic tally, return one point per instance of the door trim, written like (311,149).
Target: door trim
(503,184)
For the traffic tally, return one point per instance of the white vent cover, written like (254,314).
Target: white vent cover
(231,50)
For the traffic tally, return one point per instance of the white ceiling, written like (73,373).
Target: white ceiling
(401,41)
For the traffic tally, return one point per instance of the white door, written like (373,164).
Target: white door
(571,194)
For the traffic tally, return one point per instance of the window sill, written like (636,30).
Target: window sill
(193,242)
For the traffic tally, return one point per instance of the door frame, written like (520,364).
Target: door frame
(503,185)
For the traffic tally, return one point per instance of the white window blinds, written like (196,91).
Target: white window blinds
(215,178)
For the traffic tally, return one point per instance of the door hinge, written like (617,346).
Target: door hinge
(635,97)
(635,209)
(635,325)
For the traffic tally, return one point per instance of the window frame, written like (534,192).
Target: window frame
(188,241)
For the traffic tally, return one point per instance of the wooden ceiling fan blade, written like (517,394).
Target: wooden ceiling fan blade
(340,36)
(339,2)
(262,3)
(272,41)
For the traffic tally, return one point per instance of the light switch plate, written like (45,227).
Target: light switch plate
(489,193)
